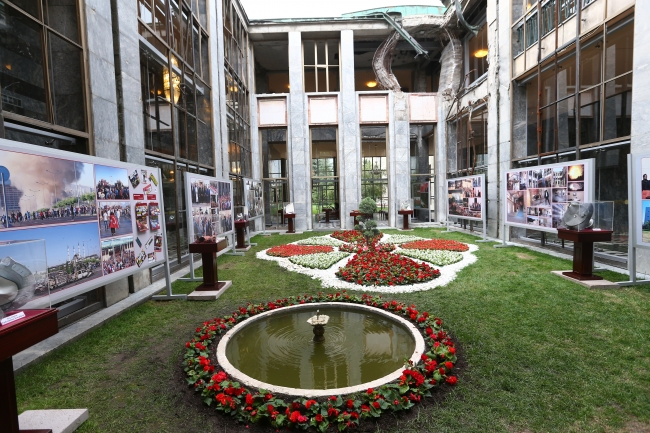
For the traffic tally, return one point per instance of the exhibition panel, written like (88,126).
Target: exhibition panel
(538,197)
(209,207)
(466,195)
(640,200)
(99,219)
(254,206)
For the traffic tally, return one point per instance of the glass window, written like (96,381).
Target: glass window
(590,62)
(22,78)
(548,86)
(619,49)
(567,9)
(66,83)
(321,66)
(566,76)
(374,168)
(62,17)
(477,51)
(518,40)
(531,30)
(548,17)
(618,107)
(590,116)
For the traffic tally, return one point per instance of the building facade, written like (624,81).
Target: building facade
(385,103)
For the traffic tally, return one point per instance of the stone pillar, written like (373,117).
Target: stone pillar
(218,81)
(399,176)
(349,140)
(499,120)
(298,140)
(101,70)
(451,62)
(127,80)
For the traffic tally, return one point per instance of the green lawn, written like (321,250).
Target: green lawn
(543,354)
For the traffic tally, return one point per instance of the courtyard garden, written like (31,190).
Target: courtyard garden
(531,352)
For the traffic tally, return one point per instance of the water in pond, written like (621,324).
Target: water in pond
(360,346)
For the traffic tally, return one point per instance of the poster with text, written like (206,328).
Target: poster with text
(83,208)
(465,197)
(537,197)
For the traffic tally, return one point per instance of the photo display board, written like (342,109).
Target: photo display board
(466,197)
(100,219)
(641,191)
(209,207)
(537,197)
(254,198)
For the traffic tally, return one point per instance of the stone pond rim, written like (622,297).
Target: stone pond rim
(236,374)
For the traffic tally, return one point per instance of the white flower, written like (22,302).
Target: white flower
(400,239)
(437,257)
(320,240)
(319,260)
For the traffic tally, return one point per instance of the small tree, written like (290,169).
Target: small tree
(367,226)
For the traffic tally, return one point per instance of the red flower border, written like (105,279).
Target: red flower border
(344,412)
(436,244)
(289,250)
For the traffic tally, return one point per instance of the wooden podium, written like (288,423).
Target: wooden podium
(405,214)
(583,251)
(240,230)
(208,251)
(290,217)
(36,326)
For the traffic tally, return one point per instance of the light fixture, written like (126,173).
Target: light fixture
(371,84)
(480,53)
(174,81)
(8,66)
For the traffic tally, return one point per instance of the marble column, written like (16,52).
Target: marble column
(400,178)
(217,81)
(128,84)
(349,134)
(450,74)
(101,71)
(298,140)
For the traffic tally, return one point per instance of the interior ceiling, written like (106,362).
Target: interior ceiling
(272,55)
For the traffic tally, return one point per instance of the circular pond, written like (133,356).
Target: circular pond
(363,347)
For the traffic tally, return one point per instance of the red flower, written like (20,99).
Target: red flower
(365,408)
(350,404)
(375,404)
(370,391)
(332,412)
(319,418)
(449,365)
(297,250)
(220,377)
(309,403)
(249,399)
(436,244)
(452,380)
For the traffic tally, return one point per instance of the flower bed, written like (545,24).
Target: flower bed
(290,250)
(436,257)
(436,244)
(348,235)
(319,260)
(400,239)
(321,240)
(378,268)
(343,412)
(361,246)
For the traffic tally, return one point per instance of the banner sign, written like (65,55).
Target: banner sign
(209,207)
(466,197)
(537,197)
(94,215)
